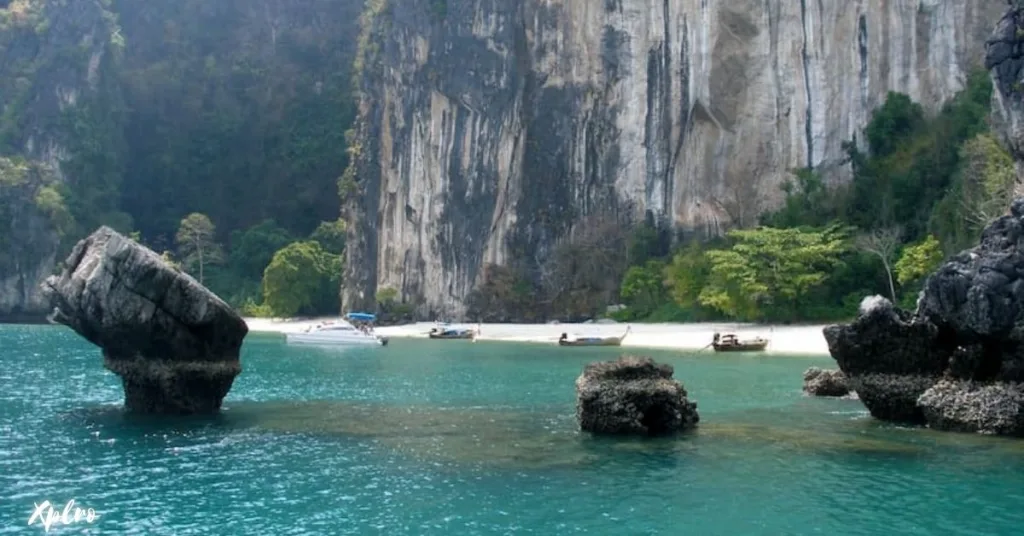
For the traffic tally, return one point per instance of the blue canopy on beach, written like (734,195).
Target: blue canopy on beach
(366,317)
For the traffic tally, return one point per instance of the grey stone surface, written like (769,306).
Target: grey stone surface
(822,382)
(174,343)
(957,362)
(493,133)
(632,395)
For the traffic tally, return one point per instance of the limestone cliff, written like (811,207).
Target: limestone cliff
(1005,59)
(54,57)
(488,129)
(148,110)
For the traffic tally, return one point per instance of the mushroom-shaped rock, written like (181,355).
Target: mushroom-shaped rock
(632,395)
(822,382)
(174,343)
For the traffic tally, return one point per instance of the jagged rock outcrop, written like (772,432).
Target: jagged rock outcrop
(821,382)
(174,344)
(957,363)
(889,358)
(489,131)
(632,395)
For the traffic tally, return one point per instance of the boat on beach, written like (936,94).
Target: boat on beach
(445,331)
(355,329)
(729,342)
(567,340)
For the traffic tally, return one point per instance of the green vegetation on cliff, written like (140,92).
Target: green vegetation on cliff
(32,213)
(922,188)
(233,112)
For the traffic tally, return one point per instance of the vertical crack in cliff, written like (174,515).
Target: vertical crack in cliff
(862,49)
(808,128)
(666,111)
(684,110)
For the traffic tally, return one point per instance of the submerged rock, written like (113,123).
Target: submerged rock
(821,382)
(632,395)
(957,363)
(174,343)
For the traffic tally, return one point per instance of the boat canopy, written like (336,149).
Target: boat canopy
(365,317)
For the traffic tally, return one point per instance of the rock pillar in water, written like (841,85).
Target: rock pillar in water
(174,343)
(632,395)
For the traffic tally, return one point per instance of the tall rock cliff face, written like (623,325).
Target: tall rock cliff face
(55,61)
(134,113)
(1004,57)
(488,130)
(238,110)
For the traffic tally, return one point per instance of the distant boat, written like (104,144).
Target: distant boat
(441,331)
(566,340)
(356,329)
(730,343)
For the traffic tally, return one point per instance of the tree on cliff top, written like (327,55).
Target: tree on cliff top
(197,246)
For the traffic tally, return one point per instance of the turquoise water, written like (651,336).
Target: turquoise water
(450,437)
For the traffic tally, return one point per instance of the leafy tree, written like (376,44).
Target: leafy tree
(808,202)
(882,243)
(302,278)
(687,274)
(983,187)
(252,249)
(650,240)
(35,184)
(387,295)
(28,197)
(912,161)
(919,260)
(897,120)
(390,309)
(643,287)
(197,246)
(331,235)
(988,179)
(771,270)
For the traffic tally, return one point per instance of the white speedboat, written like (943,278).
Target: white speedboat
(340,333)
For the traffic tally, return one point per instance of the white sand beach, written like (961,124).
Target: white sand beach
(784,339)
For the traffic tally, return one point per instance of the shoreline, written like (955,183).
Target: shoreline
(24,319)
(790,340)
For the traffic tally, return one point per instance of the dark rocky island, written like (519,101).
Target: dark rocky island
(822,382)
(957,362)
(174,343)
(632,395)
